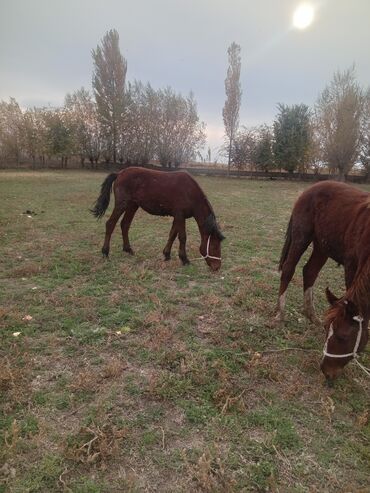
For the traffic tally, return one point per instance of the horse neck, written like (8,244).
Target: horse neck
(201,214)
(359,291)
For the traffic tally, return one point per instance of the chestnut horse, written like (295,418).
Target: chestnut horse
(161,193)
(335,217)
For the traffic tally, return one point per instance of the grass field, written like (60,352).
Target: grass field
(136,374)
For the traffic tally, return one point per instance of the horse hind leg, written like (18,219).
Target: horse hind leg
(310,272)
(125,226)
(296,250)
(109,228)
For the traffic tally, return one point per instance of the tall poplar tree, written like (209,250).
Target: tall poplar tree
(233,91)
(109,76)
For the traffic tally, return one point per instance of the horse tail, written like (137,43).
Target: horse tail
(102,202)
(286,247)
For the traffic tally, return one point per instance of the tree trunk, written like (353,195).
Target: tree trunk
(114,142)
(229,158)
(341,175)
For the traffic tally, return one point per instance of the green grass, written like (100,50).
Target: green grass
(159,364)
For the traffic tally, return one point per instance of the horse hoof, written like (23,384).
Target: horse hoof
(129,251)
(167,256)
(105,252)
(185,261)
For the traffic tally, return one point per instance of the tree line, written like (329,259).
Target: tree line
(122,122)
(118,122)
(335,133)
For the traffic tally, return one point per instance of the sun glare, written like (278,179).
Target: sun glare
(303,16)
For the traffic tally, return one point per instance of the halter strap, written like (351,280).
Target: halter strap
(207,255)
(354,354)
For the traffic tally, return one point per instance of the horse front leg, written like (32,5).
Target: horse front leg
(171,239)
(125,226)
(180,223)
(310,272)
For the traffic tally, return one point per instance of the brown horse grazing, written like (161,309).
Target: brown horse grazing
(335,217)
(161,193)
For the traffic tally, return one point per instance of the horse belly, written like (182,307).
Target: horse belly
(333,248)
(156,209)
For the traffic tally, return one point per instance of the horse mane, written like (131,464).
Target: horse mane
(211,226)
(333,312)
(359,292)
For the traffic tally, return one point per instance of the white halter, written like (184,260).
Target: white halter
(354,353)
(358,319)
(207,254)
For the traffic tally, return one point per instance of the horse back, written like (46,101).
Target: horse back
(159,192)
(336,215)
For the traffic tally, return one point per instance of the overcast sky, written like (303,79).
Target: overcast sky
(45,49)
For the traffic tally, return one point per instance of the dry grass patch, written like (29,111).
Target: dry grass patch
(210,473)
(15,380)
(95,444)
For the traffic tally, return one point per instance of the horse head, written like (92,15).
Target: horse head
(346,335)
(210,246)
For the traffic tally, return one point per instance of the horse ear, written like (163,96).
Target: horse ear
(332,299)
(351,308)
